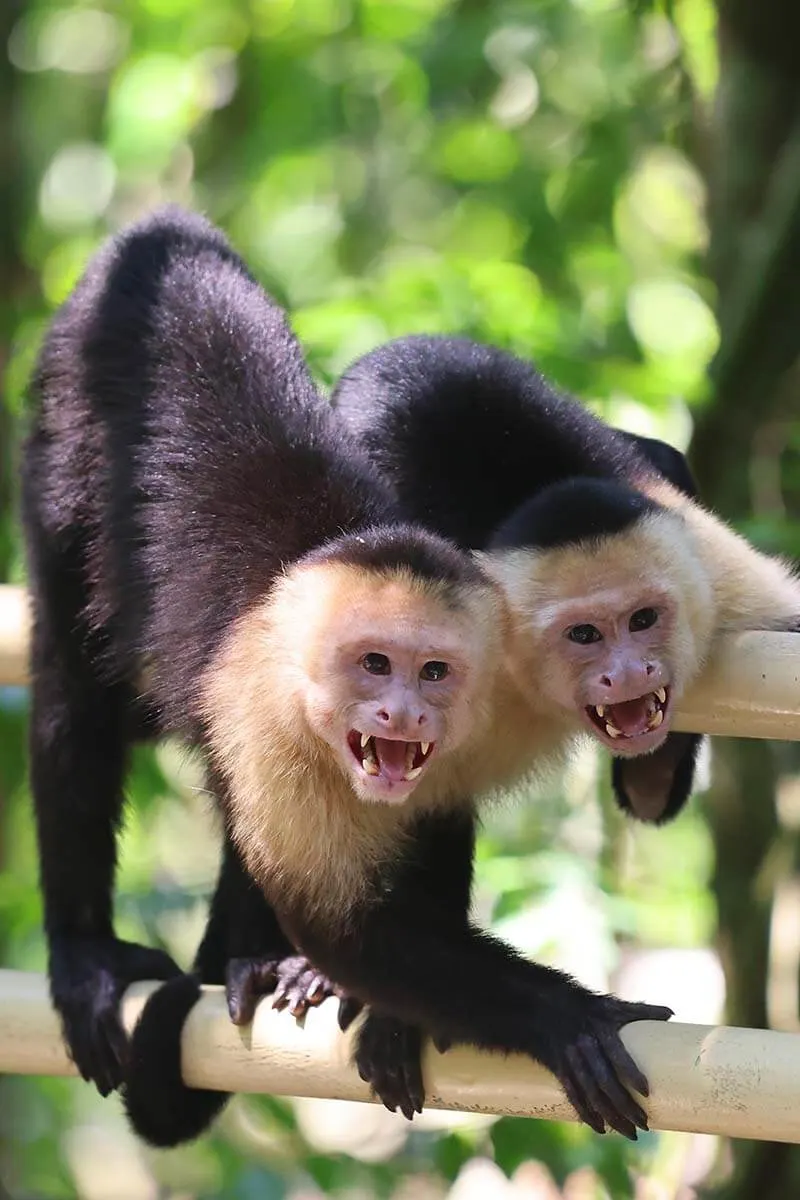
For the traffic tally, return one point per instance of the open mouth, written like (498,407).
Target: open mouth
(631,718)
(390,759)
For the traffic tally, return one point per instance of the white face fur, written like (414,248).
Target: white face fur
(610,632)
(393,678)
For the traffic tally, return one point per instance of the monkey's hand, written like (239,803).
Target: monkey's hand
(88,977)
(586,1054)
(388,1058)
(296,985)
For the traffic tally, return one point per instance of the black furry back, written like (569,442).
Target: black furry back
(180,453)
(466,432)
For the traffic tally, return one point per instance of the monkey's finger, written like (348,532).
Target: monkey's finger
(577,1098)
(414,1085)
(595,1097)
(318,990)
(349,1009)
(298,994)
(646,1012)
(110,1053)
(603,1074)
(242,990)
(622,1062)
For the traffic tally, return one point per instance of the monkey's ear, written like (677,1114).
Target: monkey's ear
(160,1107)
(655,787)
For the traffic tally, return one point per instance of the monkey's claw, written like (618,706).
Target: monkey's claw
(595,1069)
(88,977)
(300,986)
(388,1058)
(296,985)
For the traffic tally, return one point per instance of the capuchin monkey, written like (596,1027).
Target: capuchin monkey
(467,434)
(209,556)
(617,581)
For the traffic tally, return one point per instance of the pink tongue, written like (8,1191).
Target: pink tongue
(630,717)
(391,757)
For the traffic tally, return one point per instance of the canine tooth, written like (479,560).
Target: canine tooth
(411,754)
(414,773)
(365,740)
(612,730)
(600,709)
(371,767)
(424,747)
(656,719)
(661,693)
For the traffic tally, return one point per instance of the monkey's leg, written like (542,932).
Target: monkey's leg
(260,957)
(462,985)
(388,1051)
(78,736)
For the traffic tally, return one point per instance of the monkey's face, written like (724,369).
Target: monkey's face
(609,632)
(612,659)
(391,685)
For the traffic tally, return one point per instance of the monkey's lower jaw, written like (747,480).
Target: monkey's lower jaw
(635,726)
(388,769)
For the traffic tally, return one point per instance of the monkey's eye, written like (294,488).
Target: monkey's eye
(585,634)
(434,671)
(376,664)
(643,618)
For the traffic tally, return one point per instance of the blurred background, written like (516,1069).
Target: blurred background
(611,187)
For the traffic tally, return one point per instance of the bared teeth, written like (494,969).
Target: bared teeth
(661,694)
(364,740)
(612,730)
(600,709)
(656,719)
(424,747)
(370,763)
(411,754)
(414,773)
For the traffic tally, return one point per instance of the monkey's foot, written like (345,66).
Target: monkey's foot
(296,985)
(388,1058)
(88,977)
(300,986)
(587,1055)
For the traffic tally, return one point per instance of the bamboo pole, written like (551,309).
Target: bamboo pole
(734,1082)
(750,688)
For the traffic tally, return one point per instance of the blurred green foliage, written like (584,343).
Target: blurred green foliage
(514,171)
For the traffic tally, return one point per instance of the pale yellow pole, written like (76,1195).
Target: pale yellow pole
(737,1082)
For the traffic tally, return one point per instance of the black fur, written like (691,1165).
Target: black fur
(179,454)
(575,510)
(478,446)
(466,433)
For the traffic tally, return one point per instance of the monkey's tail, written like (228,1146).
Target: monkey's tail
(160,1107)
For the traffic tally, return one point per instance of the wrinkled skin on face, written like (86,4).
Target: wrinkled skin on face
(394,680)
(616,669)
(609,633)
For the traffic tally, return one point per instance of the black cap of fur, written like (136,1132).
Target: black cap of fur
(393,547)
(575,510)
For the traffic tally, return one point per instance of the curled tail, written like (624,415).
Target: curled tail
(160,1107)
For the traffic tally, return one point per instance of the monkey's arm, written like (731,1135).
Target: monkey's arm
(462,985)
